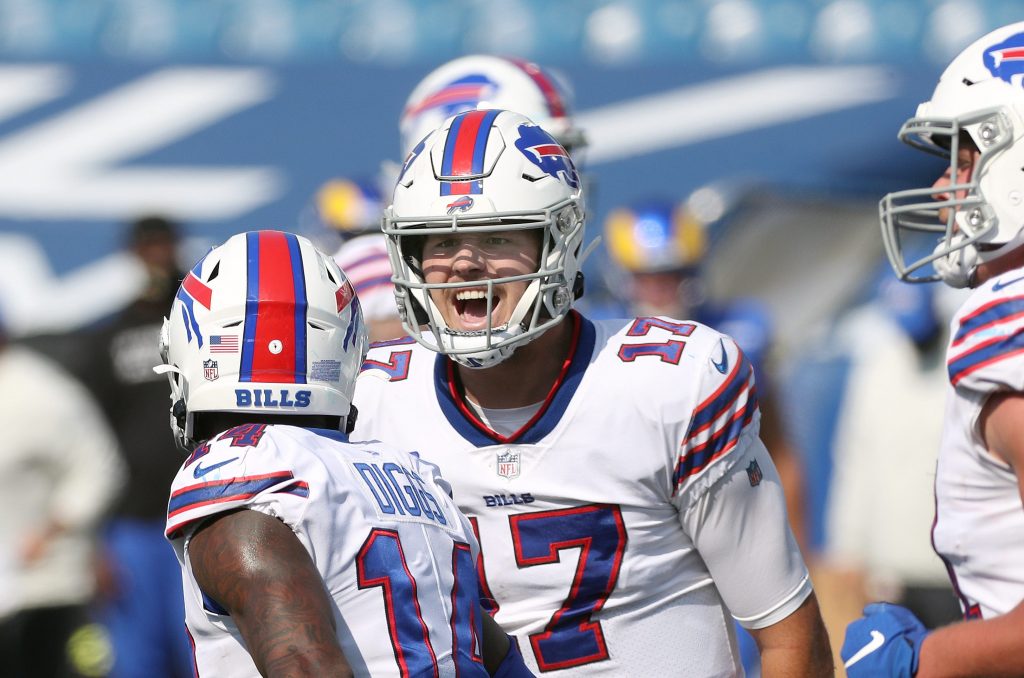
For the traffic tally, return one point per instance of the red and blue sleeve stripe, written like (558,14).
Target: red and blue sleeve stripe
(228,491)
(364,286)
(722,399)
(983,354)
(275,310)
(989,315)
(464,151)
(731,408)
(700,456)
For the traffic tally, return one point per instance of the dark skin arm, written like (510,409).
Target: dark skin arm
(495,643)
(256,568)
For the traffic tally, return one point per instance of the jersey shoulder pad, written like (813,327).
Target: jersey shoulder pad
(649,341)
(239,467)
(986,345)
(725,411)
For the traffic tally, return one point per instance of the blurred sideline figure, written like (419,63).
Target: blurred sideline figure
(975,122)
(880,508)
(351,209)
(141,601)
(60,472)
(303,553)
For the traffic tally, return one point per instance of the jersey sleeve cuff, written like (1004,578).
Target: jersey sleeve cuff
(787,606)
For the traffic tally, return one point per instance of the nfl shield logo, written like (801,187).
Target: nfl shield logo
(508,464)
(754,474)
(210,370)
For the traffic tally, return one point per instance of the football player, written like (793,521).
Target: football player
(352,208)
(627,510)
(975,120)
(487,81)
(303,553)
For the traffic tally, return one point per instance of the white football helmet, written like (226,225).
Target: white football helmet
(980,96)
(484,81)
(487,170)
(263,324)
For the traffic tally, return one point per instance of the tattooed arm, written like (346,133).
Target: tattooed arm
(256,568)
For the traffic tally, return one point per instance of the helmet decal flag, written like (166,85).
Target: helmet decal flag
(274,345)
(544,152)
(1006,59)
(464,151)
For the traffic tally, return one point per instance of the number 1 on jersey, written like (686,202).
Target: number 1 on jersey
(381,563)
(669,351)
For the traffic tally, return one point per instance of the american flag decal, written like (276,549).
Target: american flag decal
(223,343)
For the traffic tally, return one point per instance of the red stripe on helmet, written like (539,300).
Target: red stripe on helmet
(197,290)
(276,312)
(465,144)
(554,100)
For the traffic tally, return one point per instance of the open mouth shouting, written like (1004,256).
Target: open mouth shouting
(470,310)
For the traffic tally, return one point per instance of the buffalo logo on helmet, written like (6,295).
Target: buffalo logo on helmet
(546,153)
(1006,59)
(463,204)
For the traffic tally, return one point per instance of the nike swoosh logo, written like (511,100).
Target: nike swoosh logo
(877,640)
(200,471)
(722,366)
(1000,284)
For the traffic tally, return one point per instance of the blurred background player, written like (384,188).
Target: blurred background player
(660,248)
(974,120)
(352,209)
(486,81)
(302,553)
(60,473)
(141,597)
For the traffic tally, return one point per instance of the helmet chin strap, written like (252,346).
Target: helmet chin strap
(957,269)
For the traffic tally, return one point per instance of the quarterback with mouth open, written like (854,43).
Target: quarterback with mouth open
(626,509)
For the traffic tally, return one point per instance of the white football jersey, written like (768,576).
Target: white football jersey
(393,551)
(635,514)
(979,526)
